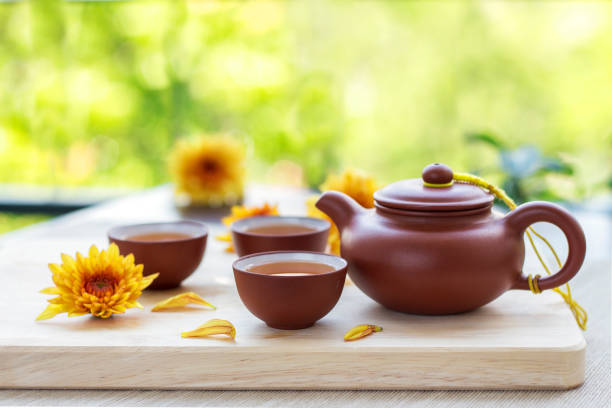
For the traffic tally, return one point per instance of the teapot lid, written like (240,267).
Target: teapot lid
(435,191)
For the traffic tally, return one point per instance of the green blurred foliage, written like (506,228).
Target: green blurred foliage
(523,169)
(97,93)
(11,221)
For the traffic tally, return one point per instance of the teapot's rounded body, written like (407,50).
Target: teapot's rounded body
(433,264)
(433,246)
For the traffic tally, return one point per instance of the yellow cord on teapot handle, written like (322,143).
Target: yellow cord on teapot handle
(579,313)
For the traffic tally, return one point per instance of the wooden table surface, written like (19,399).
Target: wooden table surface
(591,288)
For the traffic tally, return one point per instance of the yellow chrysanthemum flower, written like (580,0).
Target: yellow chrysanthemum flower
(208,170)
(355,183)
(239,212)
(101,284)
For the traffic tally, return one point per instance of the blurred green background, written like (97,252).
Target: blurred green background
(96,93)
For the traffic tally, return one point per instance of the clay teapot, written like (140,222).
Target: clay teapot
(433,246)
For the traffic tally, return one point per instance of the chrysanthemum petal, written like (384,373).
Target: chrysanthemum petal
(67,260)
(56,269)
(225,237)
(105,314)
(93,251)
(118,309)
(50,311)
(53,290)
(113,250)
(183,299)
(85,266)
(212,327)
(129,259)
(138,269)
(147,280)
(361,331)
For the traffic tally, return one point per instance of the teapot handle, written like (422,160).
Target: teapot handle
(539,211)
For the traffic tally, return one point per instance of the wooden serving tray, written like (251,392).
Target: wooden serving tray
(520,341)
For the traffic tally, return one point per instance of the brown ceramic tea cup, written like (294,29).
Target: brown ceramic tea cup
(174,249)
(282,233)
(290,289)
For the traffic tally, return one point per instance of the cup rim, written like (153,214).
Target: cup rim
(119,232)
(321,225)
(236,265)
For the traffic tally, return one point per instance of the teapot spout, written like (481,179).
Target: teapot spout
(339,207)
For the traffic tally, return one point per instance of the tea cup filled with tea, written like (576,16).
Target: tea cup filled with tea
(290,289)
(279,233)
(174,249)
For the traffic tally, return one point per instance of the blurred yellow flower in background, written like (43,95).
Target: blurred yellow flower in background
(101,284)
(208,171)
(239,212)
(357,184)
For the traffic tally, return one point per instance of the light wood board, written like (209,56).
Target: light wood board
(520,341)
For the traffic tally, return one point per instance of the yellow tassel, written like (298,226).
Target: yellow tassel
(436,185)
(579,313)
(533,283)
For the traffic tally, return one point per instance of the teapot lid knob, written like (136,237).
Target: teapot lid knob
(435,191)
(437,175)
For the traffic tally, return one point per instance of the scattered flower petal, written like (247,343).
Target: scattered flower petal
(361,331)
(212,327)
(181,300)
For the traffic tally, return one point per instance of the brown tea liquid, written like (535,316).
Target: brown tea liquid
(159,236)
(280,229)
(291,268)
